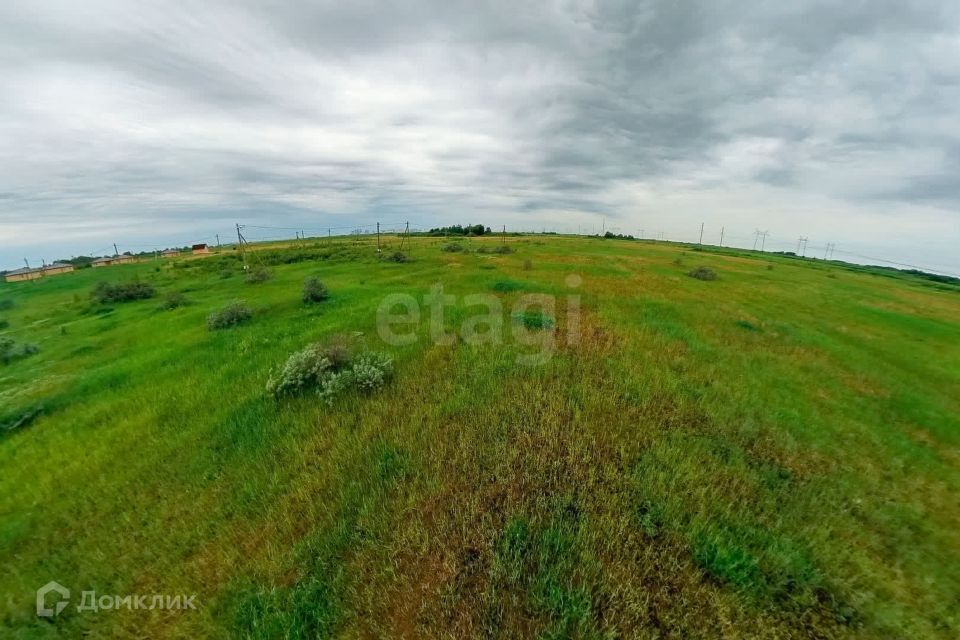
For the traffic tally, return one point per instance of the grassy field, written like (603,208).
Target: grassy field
(772,454)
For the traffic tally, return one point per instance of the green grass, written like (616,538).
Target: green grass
(772,453)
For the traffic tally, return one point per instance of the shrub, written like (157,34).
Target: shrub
(226,273)
(328,370)
(371,371)
(398,256)
(309,368)
(534,320)
(174,300)
(233,314)
(6,304)
(4,323)
(506,286)
(453,247)
(703,273)
(258,275)
(9,351)
(314,291)
(501,249)
(105,292)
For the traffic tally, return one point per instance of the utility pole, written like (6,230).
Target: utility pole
(700,244)
(763,243)
(803,241)
(26,263)
(504,236)
(603,228)
(218,242)
(116,251)
(721,236)
(756,239)
(239,241)
(378,237)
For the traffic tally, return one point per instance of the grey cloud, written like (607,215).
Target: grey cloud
(188,113)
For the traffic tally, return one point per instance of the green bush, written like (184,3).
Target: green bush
(506,286)
(105,292)
(534,320)
(314,291)
(703,273)
(235,313)
(258,275)
(501,249)
(453,247)
(4,323)
(328,370)
(225,274)
(9,351)
(398,256)
(174,300)
(6,304)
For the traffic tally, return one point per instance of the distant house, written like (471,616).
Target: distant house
(57,267)
(200,249)
(28,273)
(23,273)
(170,253)
(119,259)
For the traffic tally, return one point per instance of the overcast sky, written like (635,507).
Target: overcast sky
(159,123)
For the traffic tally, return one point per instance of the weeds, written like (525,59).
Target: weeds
(453,247)
(6,304)
(398,256)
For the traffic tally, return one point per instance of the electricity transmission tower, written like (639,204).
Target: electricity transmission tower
(759,235)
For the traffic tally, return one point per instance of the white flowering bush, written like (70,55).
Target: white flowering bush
(328,370)
(371,371)
(303,370)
